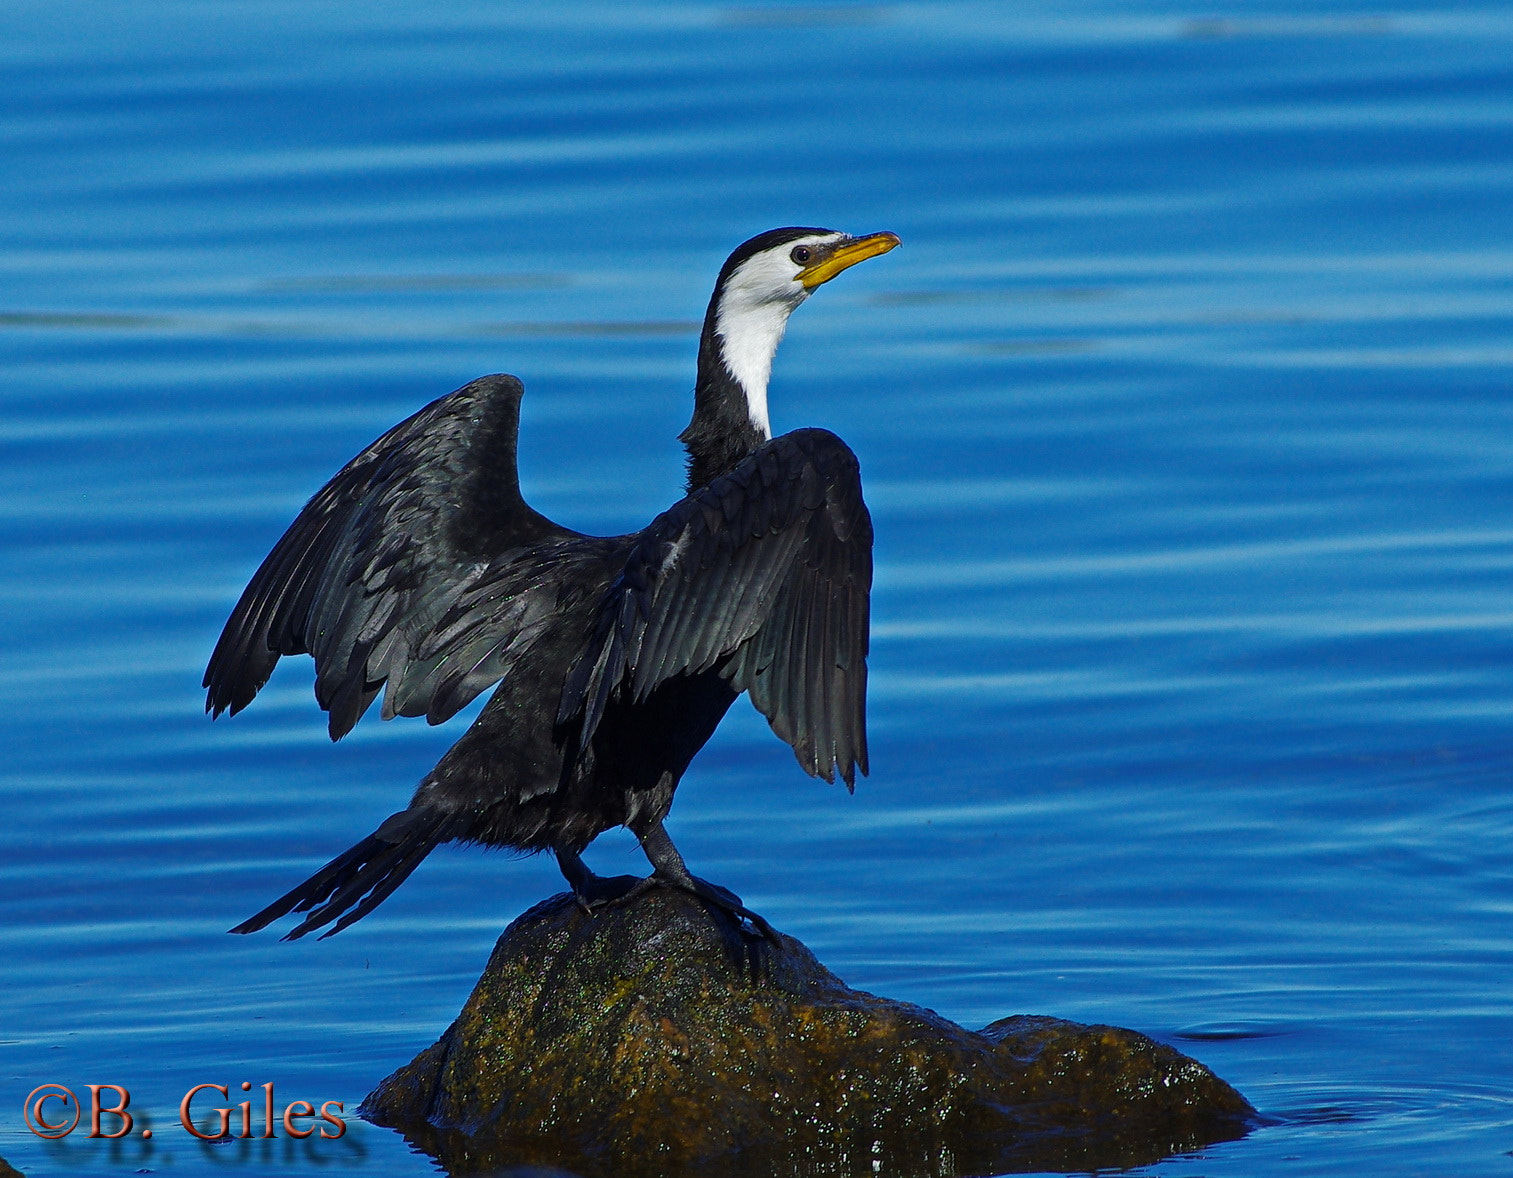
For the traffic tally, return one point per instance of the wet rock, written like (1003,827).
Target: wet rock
(651,1040)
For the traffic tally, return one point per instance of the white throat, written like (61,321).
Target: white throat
(749,338)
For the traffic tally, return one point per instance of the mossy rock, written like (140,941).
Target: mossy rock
(653,1039)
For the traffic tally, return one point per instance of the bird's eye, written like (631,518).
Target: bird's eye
(801,254)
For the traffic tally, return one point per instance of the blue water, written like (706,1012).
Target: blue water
(1183,414)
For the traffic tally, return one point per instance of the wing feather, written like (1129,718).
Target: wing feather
(373,569)
(765,574)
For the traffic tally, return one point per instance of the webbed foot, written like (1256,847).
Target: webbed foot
(726,901)
(595,892)
(670,870)
(620,890)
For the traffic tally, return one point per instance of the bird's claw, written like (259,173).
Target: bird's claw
(617,891)
(729,903)
(600,891)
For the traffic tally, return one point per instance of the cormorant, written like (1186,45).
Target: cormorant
(421,572)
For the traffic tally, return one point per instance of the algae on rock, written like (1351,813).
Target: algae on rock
(633,1042)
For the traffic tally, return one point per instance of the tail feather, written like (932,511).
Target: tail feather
(361,877)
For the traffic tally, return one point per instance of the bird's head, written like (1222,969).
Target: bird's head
(761,283)
(784,266)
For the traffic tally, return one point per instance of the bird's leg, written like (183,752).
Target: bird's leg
(590,890)
(669,869)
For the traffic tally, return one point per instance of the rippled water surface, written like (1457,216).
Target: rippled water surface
(1184,417)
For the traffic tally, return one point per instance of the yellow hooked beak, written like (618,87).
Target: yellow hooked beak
(845,254)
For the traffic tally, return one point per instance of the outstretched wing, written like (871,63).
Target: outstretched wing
(764,574)
(379,556)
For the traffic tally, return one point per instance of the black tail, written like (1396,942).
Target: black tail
(361,878)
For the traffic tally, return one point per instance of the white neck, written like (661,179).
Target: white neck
(749,339)
(751,322)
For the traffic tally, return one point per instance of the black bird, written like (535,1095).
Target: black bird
(421,572)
